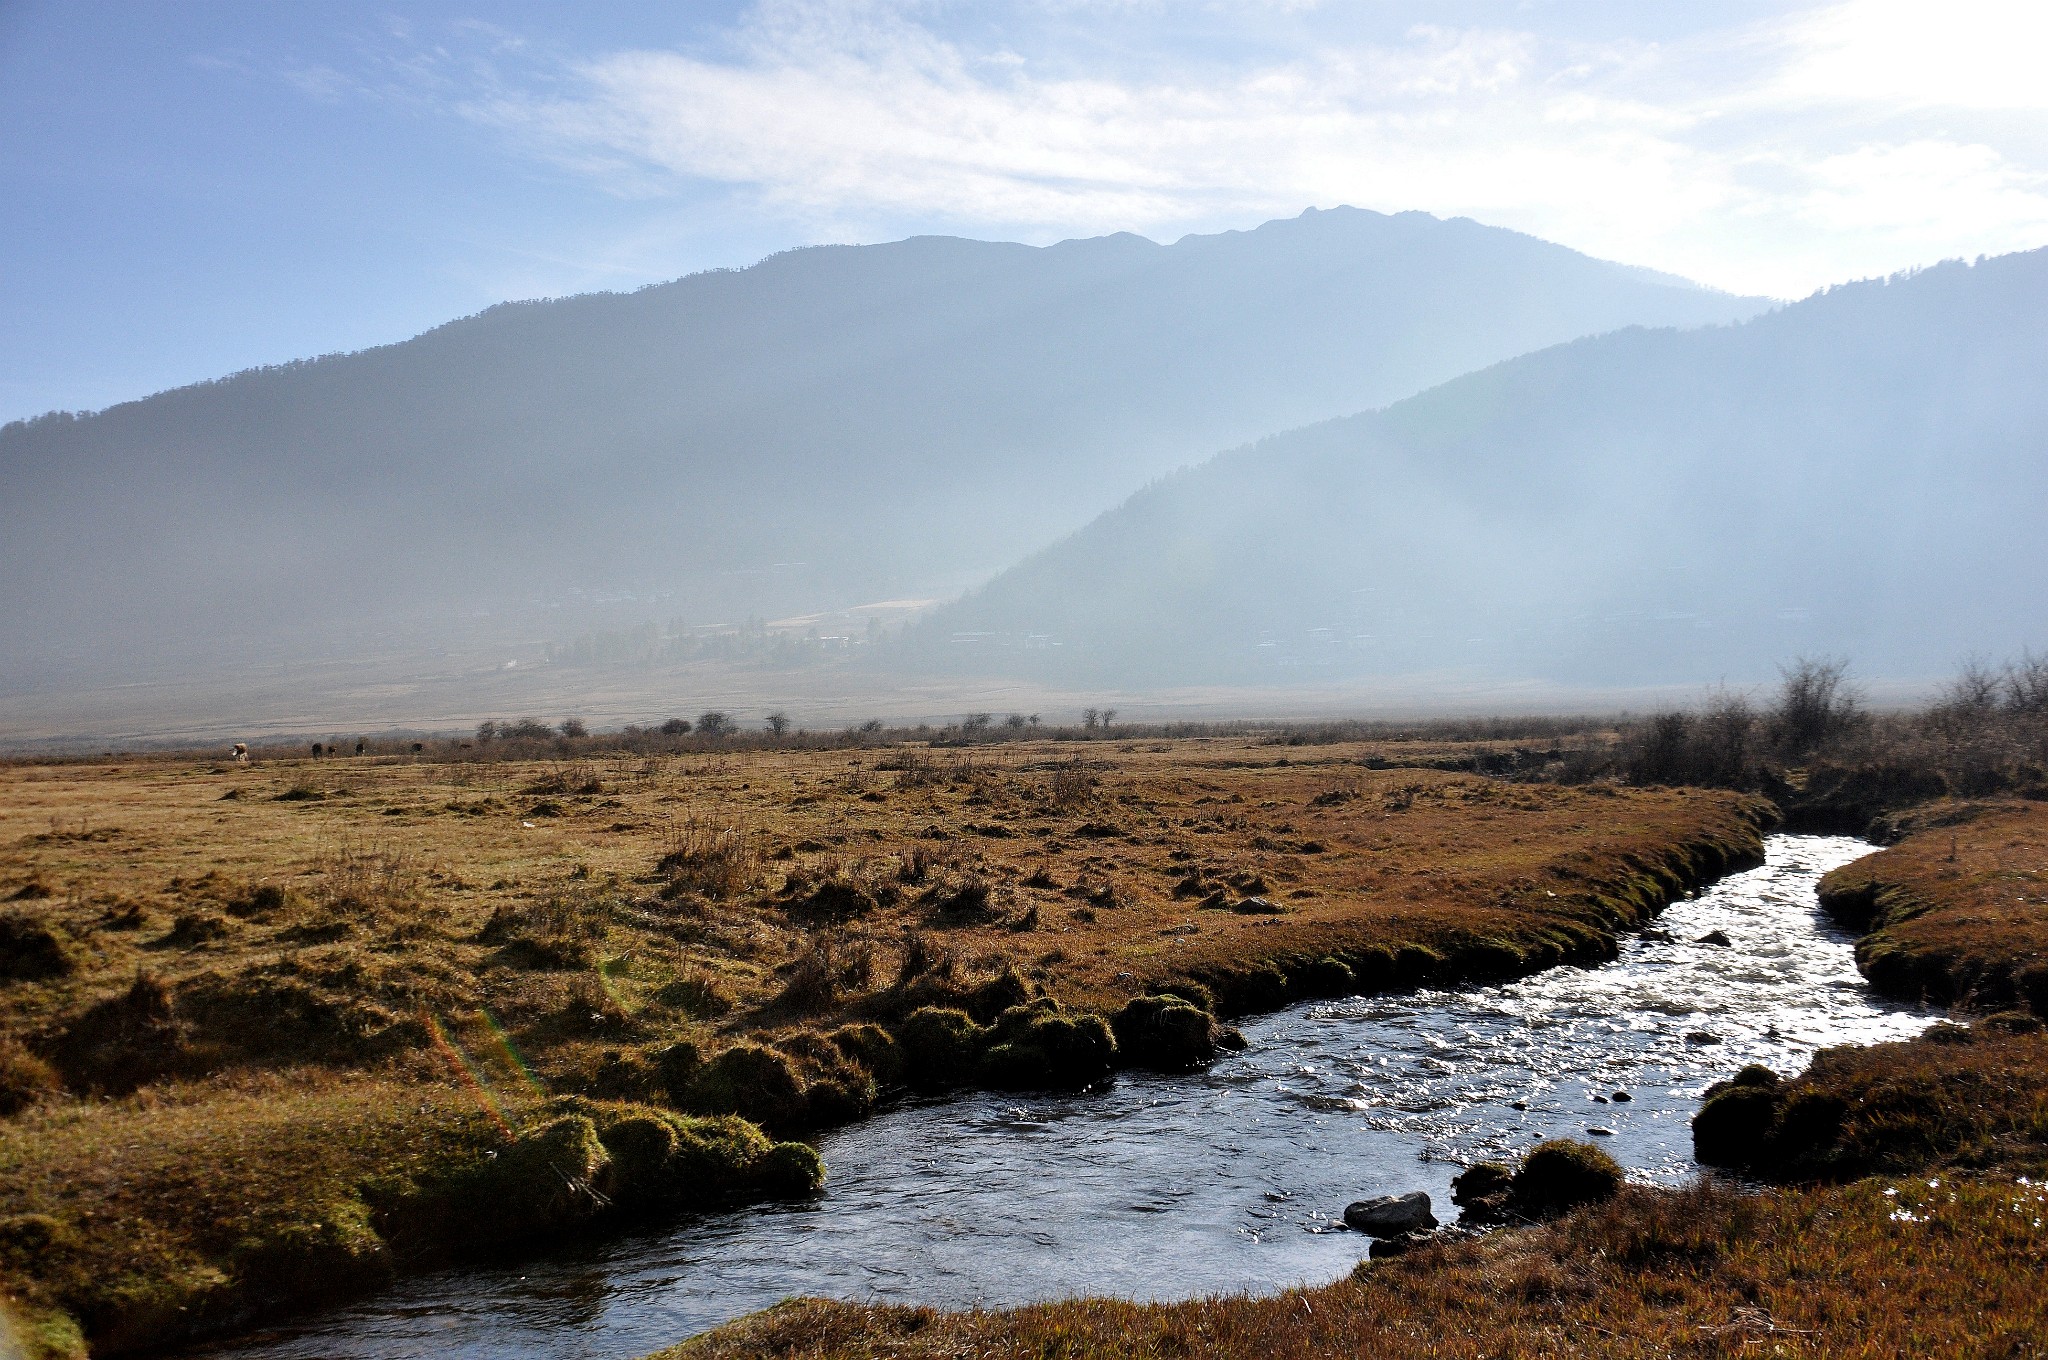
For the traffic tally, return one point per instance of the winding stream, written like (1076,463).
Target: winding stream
(1225,1180)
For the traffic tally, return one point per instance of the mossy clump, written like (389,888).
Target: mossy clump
(30,951)
(873,1048)
(547,1179)
(676,1066)
(581,1160)
(1038,1046)
(1735,1117)
(282,1012)
(1169,1033)
(260,902)
(1328,976)
(835,899)
(338,1251)
(1562,1174)
(754,1081)
(1415,966)
(1483,1190)
(989,999)
(941,1045)
(623,1074)
(837,1087)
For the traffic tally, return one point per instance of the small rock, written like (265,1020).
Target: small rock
(1715,938)
(1622,1097)
(1258,906)
(1660,936)
(1392,1215)
(1599,1100)
(1518,1105)
(1384,1247)
(1700,1036)
(1599,1132)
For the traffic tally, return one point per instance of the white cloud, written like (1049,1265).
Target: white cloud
(1959,54)
(1849,140)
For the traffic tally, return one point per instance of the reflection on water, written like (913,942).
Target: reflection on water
(1231,1179)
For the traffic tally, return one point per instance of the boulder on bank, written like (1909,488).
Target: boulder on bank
(1391,1215)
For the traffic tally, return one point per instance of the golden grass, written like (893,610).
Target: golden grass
(1957,911)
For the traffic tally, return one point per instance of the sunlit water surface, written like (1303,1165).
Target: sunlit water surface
(1226,1180)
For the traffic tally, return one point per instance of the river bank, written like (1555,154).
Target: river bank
(1908,1220)
(409,965)
(1230,1178)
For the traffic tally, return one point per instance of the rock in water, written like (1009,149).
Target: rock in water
(1392,1215)
(1718,939)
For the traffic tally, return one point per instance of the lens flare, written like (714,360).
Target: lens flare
(465,1072)
(510,1051)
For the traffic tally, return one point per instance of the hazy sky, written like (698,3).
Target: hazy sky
(186,189)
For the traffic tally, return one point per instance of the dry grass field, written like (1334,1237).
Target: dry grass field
(262,1026)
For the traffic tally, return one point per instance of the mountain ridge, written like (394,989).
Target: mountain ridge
(830,425)
(1692,496)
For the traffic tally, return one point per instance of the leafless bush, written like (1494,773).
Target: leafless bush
(1816,704)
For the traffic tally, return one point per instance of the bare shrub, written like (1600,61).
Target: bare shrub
(1816,704)
(917,771)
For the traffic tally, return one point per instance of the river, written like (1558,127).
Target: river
(1225,1180)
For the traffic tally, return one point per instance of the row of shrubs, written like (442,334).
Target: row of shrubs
(1831,762)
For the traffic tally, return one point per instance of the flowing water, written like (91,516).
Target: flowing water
(1225,1180)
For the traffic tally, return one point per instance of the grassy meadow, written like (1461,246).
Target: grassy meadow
(275,1032)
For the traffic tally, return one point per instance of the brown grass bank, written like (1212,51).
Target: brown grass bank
(260,1026)
(1877,1269)
(1910,1222)
(1956,912)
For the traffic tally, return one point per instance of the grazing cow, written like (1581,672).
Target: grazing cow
(241,753)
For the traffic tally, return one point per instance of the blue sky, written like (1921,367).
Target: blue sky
(188,189)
